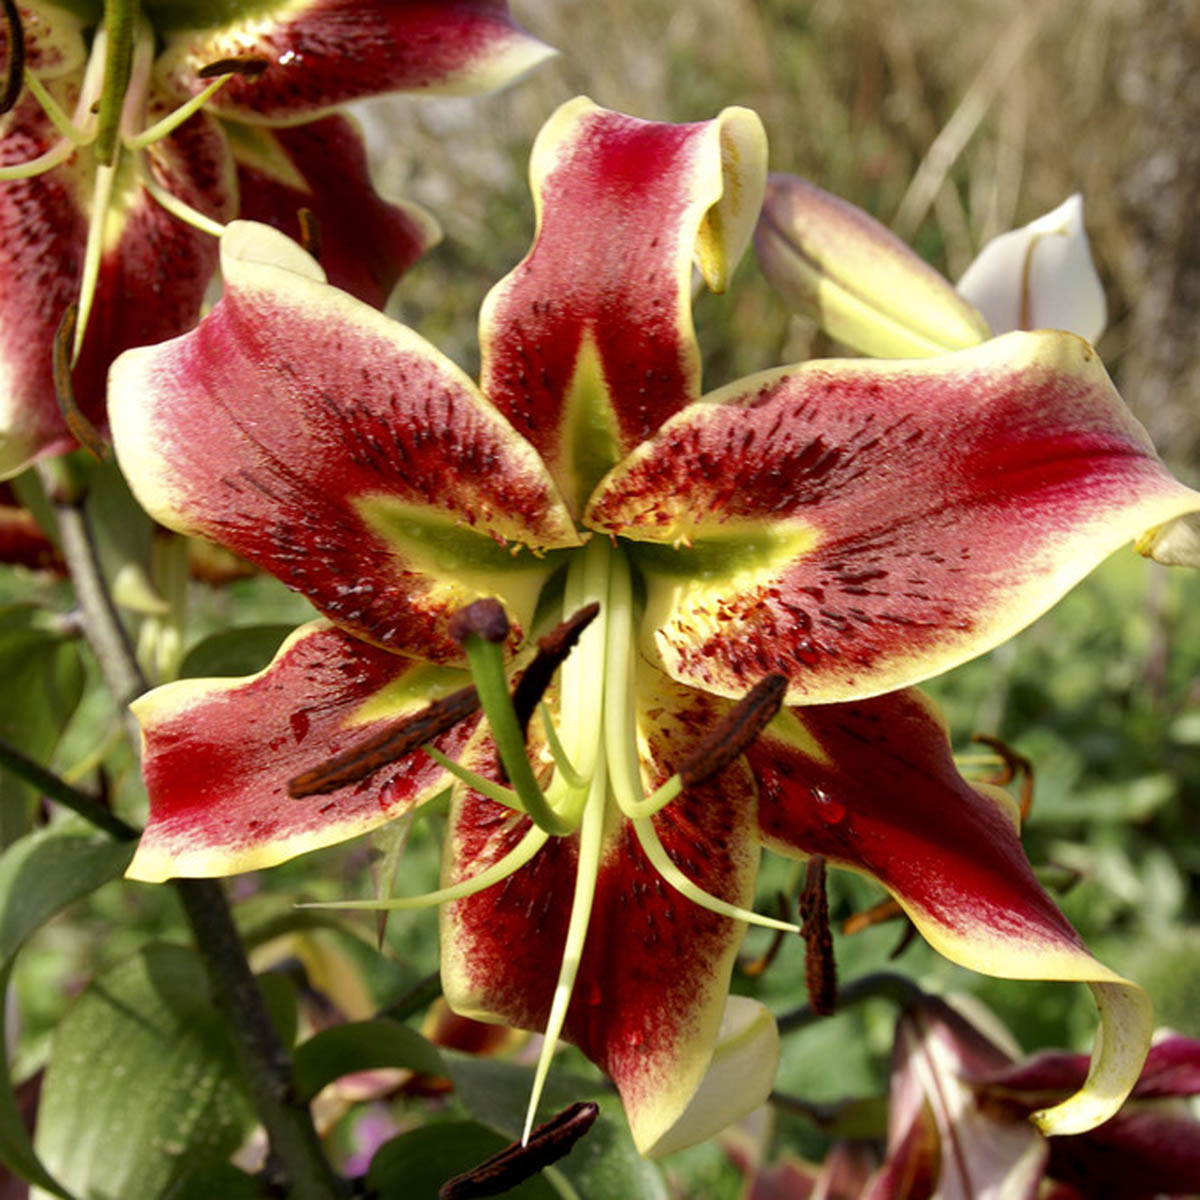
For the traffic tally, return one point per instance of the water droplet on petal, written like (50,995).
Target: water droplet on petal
(831,810)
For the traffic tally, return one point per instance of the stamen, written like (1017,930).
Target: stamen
(547,1144)
(58,153)
(482,628)
(54,110)
(1013,764)
(84,431)
(820,970)
(661,861)
(248,66)
(587,867)
(14,76)
(755,967)
(512,862)
(562,763)
(481,783)
(310,231)
(388,746)
(101,195)
(735,731)
(877,914)
(552,652)
(176,117)
(180,209)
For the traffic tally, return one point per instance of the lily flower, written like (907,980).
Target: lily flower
(832,262)
(819,537)
(957,1125)
(133,130)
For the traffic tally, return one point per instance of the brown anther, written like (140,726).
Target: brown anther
(906,939)
(249,66)
(547,1144)
(735,731)
(1013,765)
(485,618)
(310,231)
(14,68)
(85,432)
(552,652)
(757,966)
(820,970)
(388,746)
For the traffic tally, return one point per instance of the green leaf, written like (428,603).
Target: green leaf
(361,1046)
(604,1163)
(40,875)
(414,1165)
(234,651)
(224,1181)
(142,1088)
(43,681)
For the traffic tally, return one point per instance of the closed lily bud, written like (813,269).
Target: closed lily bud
(832,262)
(1039,277)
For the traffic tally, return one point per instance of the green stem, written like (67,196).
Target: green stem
(63,793)
(418,998)
(886,985)
(301,1168)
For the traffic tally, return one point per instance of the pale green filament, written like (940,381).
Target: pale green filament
(101,195)
(172,121)
(562,763)
(513,861)
(480,783)
(661,861)
(57,154)
(52,109)
(591,843)
(180,210)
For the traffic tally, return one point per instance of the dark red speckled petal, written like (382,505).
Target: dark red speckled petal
(326,52)
(861,525)
(219,753)
(338,450)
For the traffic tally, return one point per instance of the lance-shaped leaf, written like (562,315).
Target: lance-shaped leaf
(365,242)
(832,262)
(650,994)
(871,785)
(861,526)
(339,450)
(218,755)
(322,53)
(1039,277)
(588,344)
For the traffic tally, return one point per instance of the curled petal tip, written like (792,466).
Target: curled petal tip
(1174,544)
(832,262)
(1040,277)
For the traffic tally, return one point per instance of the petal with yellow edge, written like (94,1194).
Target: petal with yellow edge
(648,1000)
(863,525)
(872,786)
(365,243)
(323,53)
(218,755)
(588,343)
(337,449)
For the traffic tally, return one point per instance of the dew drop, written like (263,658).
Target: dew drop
(831,810)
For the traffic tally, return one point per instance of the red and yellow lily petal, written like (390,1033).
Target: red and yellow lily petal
(832,262)
(152,277)
(649,997)
(53,36)
(323,53)
(588,343)
(860,526)
(218,754)
(43,229)
(337,449)
(366,242)
(871,785)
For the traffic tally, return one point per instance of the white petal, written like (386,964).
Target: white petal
(1039,277)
